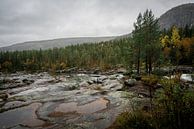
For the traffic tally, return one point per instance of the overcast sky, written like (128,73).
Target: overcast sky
(25,20)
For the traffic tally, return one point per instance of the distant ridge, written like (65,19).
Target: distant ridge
(58,43)
(179,16)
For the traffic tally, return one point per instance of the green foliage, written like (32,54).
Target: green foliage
(104,55)
(150,80)
(174,106)
(159,72)
(146,44)
(135,120)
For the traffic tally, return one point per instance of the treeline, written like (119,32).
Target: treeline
(152,47)
(148,47)
(104,55)
(178,46)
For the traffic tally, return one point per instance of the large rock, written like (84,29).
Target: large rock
(27,81)
(3,95)
(187,77)
(113,85)
(98,79)
(130,82)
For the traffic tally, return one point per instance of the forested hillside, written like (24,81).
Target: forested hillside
(147,48)
(102,55)
(54,43)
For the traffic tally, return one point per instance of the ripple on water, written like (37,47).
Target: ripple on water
(24,116)
(88,108)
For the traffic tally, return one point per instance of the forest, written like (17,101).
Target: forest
(146,48)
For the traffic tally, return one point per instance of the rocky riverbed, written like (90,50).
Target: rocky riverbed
(68,101)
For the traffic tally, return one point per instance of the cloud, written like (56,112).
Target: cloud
(24,20)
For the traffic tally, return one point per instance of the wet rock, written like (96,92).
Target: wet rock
(130,82)
(84,84)
(44,81)
(116,76)
(79,100)
(67,86)
(90,82)
(28,82)
(8,81)
(20,127)
(187,77)
(98,79)
(119,76)
(185,69)
(112,85)
(166,77)
(13,104)
(121,70)
(23,116)
(4,95)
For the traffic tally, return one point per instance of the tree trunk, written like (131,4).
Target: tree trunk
(146,64)
(138,62)
(150,65)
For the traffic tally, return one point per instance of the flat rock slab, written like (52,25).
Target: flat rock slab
(76,101)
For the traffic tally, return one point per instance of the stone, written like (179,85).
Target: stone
(187,78)
(84,84)
(26,81)
(101,102)
(130,82)
(121,70)
(99,79)
(113,85)
(3,96)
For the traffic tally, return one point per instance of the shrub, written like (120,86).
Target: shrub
(135,120)
(174,106)
(159,72)
(150,80)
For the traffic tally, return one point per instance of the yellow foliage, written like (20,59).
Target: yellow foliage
(165,41)
(175,38)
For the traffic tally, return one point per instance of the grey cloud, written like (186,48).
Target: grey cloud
(24,20)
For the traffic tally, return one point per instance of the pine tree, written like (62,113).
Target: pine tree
(146,39)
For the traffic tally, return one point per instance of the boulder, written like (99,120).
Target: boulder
(130,82)
(121,70)
(4,95)
(187,78)
(26,81)
(113,85)
(99,79)
(84,84)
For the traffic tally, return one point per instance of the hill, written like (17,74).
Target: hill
(46,44)
(179,16)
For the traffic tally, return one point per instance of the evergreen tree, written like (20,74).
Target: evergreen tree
(146,40)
